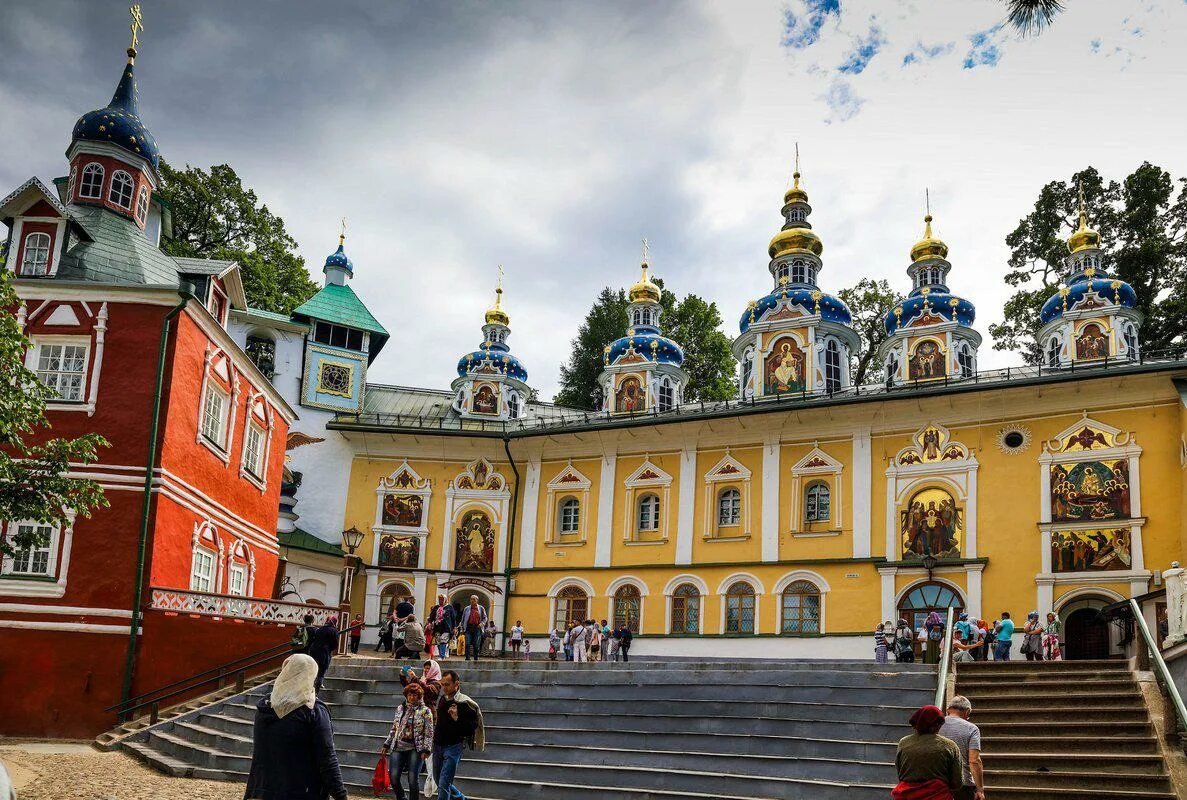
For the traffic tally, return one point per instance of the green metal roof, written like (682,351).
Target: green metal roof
(303,540)
(119,252)
(340,305)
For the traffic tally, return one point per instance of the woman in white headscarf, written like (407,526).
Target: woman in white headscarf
(293,744)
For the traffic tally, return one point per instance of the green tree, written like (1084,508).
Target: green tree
(215,216)
(1143,225)
(604,323)
(34,480)
(868,301)
(1031,17)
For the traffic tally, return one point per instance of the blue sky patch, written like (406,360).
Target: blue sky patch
(803,30)
(865,49)
(923,52)
(841,101)
(984,51)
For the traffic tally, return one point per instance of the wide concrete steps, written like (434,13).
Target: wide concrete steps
(1065,729)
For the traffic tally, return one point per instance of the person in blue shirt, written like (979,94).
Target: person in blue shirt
(1005,632)
(965,627)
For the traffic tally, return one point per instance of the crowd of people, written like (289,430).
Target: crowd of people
(972,639)
(590,641)
(448,629)
(941,759)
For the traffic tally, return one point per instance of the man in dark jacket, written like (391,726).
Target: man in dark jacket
(623,635)
(323,642)
(442,620)
(459,722)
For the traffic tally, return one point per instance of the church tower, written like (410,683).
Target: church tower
(930,334)
(1093,317)
(642,371)
(491,383)
(797,339)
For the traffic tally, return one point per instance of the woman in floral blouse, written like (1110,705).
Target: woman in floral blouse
(410,741)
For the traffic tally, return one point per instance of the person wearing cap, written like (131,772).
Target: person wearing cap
(928,764)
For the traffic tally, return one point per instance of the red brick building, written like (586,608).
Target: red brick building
(111,318)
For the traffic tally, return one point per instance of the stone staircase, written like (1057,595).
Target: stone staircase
(648,730)
(1064,729)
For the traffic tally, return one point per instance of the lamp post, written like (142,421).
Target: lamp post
(929,563)
(352,537)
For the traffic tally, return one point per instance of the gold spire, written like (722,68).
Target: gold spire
(645,290)
(136,26)
(495,315)
(929,246)
(342,233)
(795,194)
(1084,238)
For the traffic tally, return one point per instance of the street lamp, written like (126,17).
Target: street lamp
(352,537)
(929,563)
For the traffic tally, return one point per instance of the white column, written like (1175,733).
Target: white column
(973,580)
(970,504)
(1135,488)
(446,533)
(684,520)
(888,609)
(1045,595)
(770,499)
(860,499)
(420,582)
(1173,580)
(605,532)
(371,607)
(531,507)
(893,541)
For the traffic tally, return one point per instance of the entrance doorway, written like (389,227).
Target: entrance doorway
(926,598)
(1086,635)
(463,596)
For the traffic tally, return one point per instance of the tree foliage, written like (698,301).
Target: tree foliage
(1031,17)
(691,322)
(34,480)
(215,216)
(1143,225)
(868,301)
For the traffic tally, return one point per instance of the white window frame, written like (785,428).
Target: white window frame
(33,362)
(121,179)
(647,511)
(91,185)
(142,205)
(729,507)
(218,442)
(9,566)
(568,516)
(255,439)
(832,363)
(812,508)
(666,395)
(41,267)
(237,571)
(210,576)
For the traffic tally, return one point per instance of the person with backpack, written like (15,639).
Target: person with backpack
(301,637)
(459,725)
(904,643)
(323,642)
(385,634)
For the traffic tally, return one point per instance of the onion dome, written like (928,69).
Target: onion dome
(827,306)
(119,122)
(1105,287)
(644,291)
(1084,238)
(934,304)
(795,194)
(929,246)
(338,257)
(793,239)
(495,315)
(650,346)
(492,358)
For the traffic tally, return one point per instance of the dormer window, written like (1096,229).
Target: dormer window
(35,262)
(218,304)
(142,205)
(91,187)
(338,336)
(122,187)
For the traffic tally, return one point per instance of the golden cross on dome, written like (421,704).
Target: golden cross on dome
(646,250)
(136,26)
(500,286)
(342,232)
(1083,212)
(927,200)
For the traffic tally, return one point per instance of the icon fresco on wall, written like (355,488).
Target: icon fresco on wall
(485,401)
(630,395)
(403,510)
(931,524)
(399,551)
(1091,551)
(931,444)
(1089,490)
(784,368)
(479,474)
(927,361)
(475,549)
(1092,342)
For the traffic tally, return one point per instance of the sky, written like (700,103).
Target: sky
(550,137)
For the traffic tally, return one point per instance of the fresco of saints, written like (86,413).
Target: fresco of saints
(785,369)
(1092,343)
(475,543)
(926,362)
(629,396)
(402,510)
(930,444)
(397,551)
(1090,490)
(930,525)
(485,401)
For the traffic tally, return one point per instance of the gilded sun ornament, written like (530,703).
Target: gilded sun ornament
(1014,439)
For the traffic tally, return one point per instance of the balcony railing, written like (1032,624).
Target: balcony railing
(208,604)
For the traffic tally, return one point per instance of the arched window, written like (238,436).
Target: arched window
(570,515)
(513,405)
(1053,348)
(628,604)
(800,608)
(36,259)
(70,185)
(832,366)
(262,352)
(648,515)
(1130,335)
(686,609)
(122,187)
(782,271)
(92,182)
(924,599)
(796,215)
(740,604)
(572,605)
(891,365)
(817,502)
(142,205)
(964,360)
(667,395)
(729,508)
(799,271)
(747,369)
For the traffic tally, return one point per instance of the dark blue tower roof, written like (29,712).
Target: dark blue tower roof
(119,121)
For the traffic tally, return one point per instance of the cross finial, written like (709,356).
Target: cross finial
(342,233)
(500,285)
(136,27)
(797,158)
(927,200)
(1083,211)
(646,251)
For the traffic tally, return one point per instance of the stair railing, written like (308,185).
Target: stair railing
(945,660)
(1160,667)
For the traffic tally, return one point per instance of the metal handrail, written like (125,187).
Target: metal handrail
(945,657)
(1161,668)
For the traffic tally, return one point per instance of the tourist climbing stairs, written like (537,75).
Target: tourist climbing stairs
(784,730)
(1064,729)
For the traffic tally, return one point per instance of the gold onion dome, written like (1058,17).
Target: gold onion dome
(929,246)
(1084,238)
(792,239)
(795,194)
(495,315)
(644,290)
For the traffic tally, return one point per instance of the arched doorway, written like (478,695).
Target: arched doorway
(926,597)
(463,596)
(1086,634)
(392,594)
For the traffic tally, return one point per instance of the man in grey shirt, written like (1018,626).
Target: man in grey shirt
(968,738)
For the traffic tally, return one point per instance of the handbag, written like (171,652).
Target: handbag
(381,780)
(430,784)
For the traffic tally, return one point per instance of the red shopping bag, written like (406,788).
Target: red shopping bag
(381,781)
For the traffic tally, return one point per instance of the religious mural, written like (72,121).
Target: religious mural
(480,475)
(931,444)
(927,361)
(485,400)
(630,395)
(403,510)
(1090,490)
(1092,342)
(784,368)
(399,551)
(475,543)
(1090,551)
(931,524)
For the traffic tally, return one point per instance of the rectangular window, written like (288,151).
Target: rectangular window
(237,580)
(34,561)
(214,417)
(202,575)
(338,336)
(62,367)
(253,450)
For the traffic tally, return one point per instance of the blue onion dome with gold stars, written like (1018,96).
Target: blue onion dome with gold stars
(645,339)
(493,356)
(930,296)
(1086,275)
(339,259)
(119,122)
